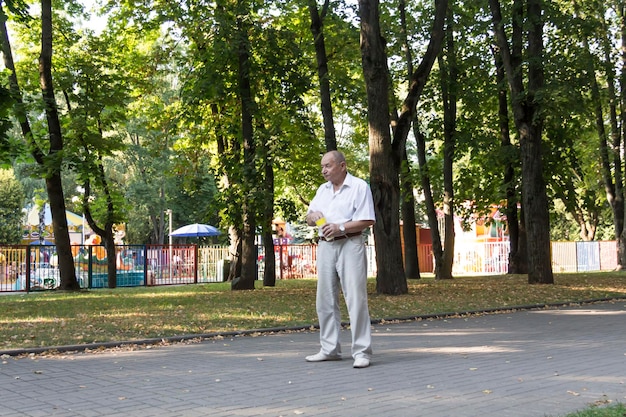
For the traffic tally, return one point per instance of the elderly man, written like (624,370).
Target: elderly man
(342,208)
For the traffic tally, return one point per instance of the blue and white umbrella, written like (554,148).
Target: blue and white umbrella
(196,230)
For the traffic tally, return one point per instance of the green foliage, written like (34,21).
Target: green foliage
(6,145)
(18,9)
(152,102)
(11,204)
(571,158)
(33,185)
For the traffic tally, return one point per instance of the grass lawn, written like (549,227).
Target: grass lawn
(616,410)
(45,319)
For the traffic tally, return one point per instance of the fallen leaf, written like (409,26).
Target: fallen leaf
(603,401)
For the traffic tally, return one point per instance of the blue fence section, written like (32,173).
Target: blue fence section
(588,256)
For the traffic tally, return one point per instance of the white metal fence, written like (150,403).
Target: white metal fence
(492,258)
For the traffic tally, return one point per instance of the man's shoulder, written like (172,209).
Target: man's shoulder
(353,181)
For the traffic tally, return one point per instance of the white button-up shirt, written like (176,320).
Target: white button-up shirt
(353,201)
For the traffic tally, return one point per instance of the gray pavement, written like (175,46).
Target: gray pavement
(519,364)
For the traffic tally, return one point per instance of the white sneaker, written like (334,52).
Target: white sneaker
(321,357)
(361,363)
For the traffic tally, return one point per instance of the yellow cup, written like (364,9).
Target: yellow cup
(321,222)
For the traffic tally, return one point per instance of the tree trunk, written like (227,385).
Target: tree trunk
(408,116)
(510,158)
(384,165)
(617,146)
(54,185)
(269,272)
(105,233)
(317,24)
(521,257)
(431,212)
(234,232)
(61,233)
(235,253)
(409,234)
(447,260)
(526,110)
(248,247)
(411,260)
(535,196)
(448,71)
(109,244)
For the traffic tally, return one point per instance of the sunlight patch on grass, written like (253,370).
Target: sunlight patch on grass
(56,318)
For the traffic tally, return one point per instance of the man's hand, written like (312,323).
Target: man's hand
(313,216)
(330,230)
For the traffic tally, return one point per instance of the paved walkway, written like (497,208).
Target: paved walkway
(520,364)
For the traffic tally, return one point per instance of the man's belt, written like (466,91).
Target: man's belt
(347,235)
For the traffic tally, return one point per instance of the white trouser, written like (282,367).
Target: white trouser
(343,261)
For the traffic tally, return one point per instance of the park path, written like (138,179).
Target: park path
(531,363)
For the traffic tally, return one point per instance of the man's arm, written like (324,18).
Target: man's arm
(357,226)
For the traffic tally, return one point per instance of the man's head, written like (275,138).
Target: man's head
(334,167)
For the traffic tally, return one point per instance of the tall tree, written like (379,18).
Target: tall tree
(248,248)
(510,156)
(54,158)
(317,24)
(448,73)
(409,233)
(526,104)
(386,154)
(94,100)
(384,165)
(617,156)
(50,162)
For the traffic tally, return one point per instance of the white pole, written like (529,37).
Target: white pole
(169,213)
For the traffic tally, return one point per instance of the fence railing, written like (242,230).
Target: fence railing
(35,267)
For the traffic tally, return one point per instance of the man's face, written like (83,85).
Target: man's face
(331,170)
